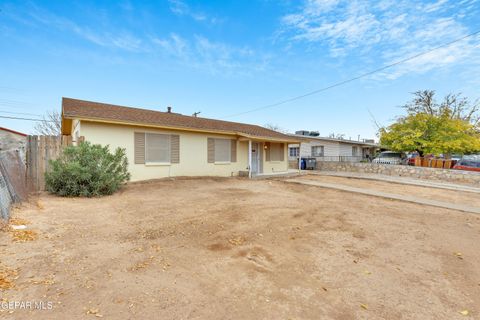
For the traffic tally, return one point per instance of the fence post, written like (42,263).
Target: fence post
(35,162)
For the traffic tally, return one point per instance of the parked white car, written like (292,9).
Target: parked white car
(390,157)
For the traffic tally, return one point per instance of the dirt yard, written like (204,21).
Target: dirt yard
(240,249)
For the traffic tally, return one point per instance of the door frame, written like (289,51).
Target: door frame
(255,158)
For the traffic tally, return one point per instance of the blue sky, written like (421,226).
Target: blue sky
(226,57)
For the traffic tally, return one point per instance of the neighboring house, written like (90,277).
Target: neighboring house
(12,140)
(330,149)
(165,144)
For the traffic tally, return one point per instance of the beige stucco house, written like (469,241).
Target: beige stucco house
(167,144)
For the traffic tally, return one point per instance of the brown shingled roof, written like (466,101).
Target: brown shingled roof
(74,108)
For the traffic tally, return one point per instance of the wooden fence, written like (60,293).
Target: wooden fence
(39,151)
(434,163)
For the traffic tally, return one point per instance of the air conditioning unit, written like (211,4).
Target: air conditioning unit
(302,132)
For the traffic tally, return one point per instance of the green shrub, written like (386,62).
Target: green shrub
(87,170)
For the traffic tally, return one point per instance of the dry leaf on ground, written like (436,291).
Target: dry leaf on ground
(7,276)
(94,312)
(24,235)
(40,205)
(18,221)
(238,241)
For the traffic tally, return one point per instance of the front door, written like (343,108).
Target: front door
(255,158)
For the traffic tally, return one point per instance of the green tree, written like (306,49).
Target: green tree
(439,128)
(87,170)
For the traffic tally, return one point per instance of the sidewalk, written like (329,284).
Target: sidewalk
(400,180)
(394,196)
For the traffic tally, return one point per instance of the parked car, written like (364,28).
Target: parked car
(470,163)
(411,158)
(390,157)
(456,157)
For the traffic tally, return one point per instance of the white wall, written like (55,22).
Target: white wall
(331,148)
(346,150)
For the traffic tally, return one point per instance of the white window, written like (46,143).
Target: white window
(317,151)
(354,151)
(276,152)
(223,150)
(157,148)
(294,151)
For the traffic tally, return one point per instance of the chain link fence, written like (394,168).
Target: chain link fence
(5,198)
(13,187)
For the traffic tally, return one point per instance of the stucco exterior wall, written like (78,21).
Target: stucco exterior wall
(75,130)
(193,152)
(276,166)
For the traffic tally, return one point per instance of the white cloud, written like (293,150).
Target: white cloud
(316,7)
(194,51)
(174,45)
(214,57)
(119,39)
(431,7)
(388,31)
(320,21)
(180,8)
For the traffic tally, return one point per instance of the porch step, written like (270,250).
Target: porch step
(277,175)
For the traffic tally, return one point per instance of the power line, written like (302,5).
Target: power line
(9,88)
(16,102)
(337,84)
(22,113)
(28,119)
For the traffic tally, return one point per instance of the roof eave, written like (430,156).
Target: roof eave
(263,138)
(313,138)
(138,124)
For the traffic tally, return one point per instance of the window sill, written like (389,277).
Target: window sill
(222,162)
(155,164)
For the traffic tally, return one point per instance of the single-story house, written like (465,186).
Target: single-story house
(12,140)
(330,149)
(166,144)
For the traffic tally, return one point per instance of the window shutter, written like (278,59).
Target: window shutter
(267,151)
(282,151)
(233,149)
(211,150)
(175,148)
(139,147)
